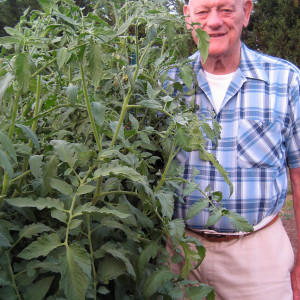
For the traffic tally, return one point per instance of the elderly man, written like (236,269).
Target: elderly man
(256,101)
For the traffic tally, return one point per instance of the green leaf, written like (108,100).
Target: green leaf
(61,186)
(209,133)
(22,69)
(186,74)
(196,208)
(65,151)
(85,189)
(5,83)
(30,134)
(111,268)
(125,26)
(130,77)
(119,170)
(10,40)
(150,250)
(119,253)
(203,44)
(157,279)
(189,188)
(134,122)
(103,290)
(59,215)
(36,163)
(150,104)
(113,126)
(167,204)
(210,157)
(98,111)
(73,279)
(33,229)
(72,92)
(214,217)
(63,55)
(40,203)
(82,258)
(95,63)
(115,153)
(4,242)
(182,138)
(239,222)
(192,258)
(176,230)
(150,92)
(47,5)
(5,164)
(39,289)
(198,292)
(89,209)
(41,247)
(75,223)
(97,19)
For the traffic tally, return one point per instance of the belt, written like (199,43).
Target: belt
(227,237)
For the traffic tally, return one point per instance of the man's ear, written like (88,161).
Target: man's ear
(186,12)
(248,5)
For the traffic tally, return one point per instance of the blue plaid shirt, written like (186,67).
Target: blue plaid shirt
(260,120)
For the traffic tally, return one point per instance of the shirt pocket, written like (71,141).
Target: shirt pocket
(259,144)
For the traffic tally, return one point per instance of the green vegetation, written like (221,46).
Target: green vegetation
(274,29)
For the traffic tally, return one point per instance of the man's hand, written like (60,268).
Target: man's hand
(295,276)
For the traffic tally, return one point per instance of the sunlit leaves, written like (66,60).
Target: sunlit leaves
(23,71)
(95,64)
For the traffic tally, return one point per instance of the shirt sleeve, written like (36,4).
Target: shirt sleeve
(293,141)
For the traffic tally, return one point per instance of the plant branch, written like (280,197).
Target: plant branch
(171,157)
(89,108)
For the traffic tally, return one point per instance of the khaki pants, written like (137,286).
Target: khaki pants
(256,267)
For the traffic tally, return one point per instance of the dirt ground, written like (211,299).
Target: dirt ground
(289,222)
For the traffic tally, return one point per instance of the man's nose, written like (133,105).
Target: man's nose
(214,20)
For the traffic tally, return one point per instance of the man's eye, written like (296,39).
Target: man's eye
(201,13)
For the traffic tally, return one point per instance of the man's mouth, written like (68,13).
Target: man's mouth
(216,35)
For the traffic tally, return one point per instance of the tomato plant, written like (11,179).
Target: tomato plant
(88,137)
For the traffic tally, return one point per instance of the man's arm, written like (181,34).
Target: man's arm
(295,182)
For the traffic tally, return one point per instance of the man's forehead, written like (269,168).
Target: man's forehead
(214,2)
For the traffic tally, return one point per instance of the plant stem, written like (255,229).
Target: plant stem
(70,219)
(171,157)
(122,116)
(97,192)
(5,184)
(92,255)
(89,108)
(44,67)
(127,98)
(103,194)
(21,176)
(33,128)
(13,282)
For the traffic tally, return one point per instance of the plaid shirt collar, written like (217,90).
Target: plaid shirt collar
(250,66)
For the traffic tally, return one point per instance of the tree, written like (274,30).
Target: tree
(274,29)
(12,10)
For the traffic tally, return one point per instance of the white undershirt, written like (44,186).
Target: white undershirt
(218,85)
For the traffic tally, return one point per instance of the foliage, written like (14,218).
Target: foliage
(88,137)
(274,29)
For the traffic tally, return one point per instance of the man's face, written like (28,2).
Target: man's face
(223,20)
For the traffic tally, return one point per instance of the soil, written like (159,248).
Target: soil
(289,222)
